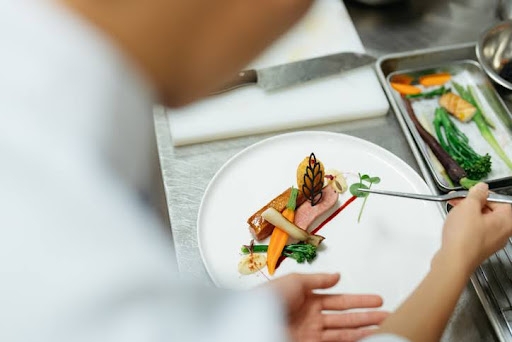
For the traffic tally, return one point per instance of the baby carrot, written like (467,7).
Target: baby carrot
(406,89)
(403,79)
(279,237)
(434,79)
(277,243)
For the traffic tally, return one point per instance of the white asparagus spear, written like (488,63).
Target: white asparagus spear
(277,219)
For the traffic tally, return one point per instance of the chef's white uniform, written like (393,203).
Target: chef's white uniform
(82,258)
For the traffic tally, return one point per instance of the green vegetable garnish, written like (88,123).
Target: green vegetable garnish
(300,252)
(487,119)
(456,144)
(482,124)
(355,189)
(437,92)
(292,202)
(493,100)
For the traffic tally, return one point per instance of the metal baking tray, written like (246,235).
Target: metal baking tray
(465,72)
(493,280)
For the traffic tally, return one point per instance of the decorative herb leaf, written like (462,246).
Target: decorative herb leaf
(374,180)
(313,181)
(355,189)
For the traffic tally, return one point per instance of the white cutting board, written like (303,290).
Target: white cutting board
(357,94)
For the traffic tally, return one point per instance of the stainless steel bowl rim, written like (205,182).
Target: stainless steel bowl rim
(479,54)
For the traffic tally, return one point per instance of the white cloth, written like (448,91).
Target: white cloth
(81,257)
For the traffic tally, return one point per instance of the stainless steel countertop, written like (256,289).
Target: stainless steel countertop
(404,26)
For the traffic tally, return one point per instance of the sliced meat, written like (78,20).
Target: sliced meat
(306,214)
(260,228)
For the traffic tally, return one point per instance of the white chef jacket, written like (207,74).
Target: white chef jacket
(82,258)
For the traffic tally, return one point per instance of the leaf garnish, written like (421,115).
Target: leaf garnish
(313,181)
(355,189)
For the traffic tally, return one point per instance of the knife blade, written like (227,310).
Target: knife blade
(285,75)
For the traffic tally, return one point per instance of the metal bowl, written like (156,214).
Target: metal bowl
(494,49)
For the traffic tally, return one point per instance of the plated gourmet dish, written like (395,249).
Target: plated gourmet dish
(387,252)
(287,220)
(461,121)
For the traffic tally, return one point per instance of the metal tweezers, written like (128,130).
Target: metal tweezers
(439,198)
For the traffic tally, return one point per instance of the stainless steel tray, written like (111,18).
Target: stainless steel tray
(493,280)
(467,71)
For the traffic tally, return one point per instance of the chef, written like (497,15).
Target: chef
(82,255)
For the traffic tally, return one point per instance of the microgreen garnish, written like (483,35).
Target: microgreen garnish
(313,181)
(250,247)
(365,182)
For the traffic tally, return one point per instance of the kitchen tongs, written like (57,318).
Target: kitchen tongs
(439,198)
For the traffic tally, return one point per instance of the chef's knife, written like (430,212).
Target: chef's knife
(285,75)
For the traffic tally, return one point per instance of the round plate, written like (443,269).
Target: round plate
(387,253)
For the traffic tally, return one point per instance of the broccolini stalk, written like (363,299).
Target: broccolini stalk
(456,144)
(453,169)
(482,125)
(300,252)
(437,92)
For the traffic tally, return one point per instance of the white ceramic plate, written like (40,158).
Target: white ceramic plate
(387,253)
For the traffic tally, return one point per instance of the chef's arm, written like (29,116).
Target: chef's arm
(473,231)
(423,316)
(188,48)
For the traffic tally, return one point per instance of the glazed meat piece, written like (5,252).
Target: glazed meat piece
(456,106)
(260,228)
(306,214)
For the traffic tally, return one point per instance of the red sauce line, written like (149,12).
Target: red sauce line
(279,261)
(320,226)
(333,215)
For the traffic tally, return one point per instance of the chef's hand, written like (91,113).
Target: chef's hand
(475,228)
(306,320)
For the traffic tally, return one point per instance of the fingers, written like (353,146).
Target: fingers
(345,335)
(500,218)
(495,206)
(318,280)
(344,302)
(478,195)
(354,320)
(455,202)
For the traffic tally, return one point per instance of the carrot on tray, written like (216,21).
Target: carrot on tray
(405,89)
(402,79)
(279,237)
(434,79)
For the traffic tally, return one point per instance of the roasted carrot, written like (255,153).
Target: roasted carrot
(406,89)
(277,243)
(435,79)
(279,237)
(402,79)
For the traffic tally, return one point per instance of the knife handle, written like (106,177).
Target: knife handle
(243,78)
